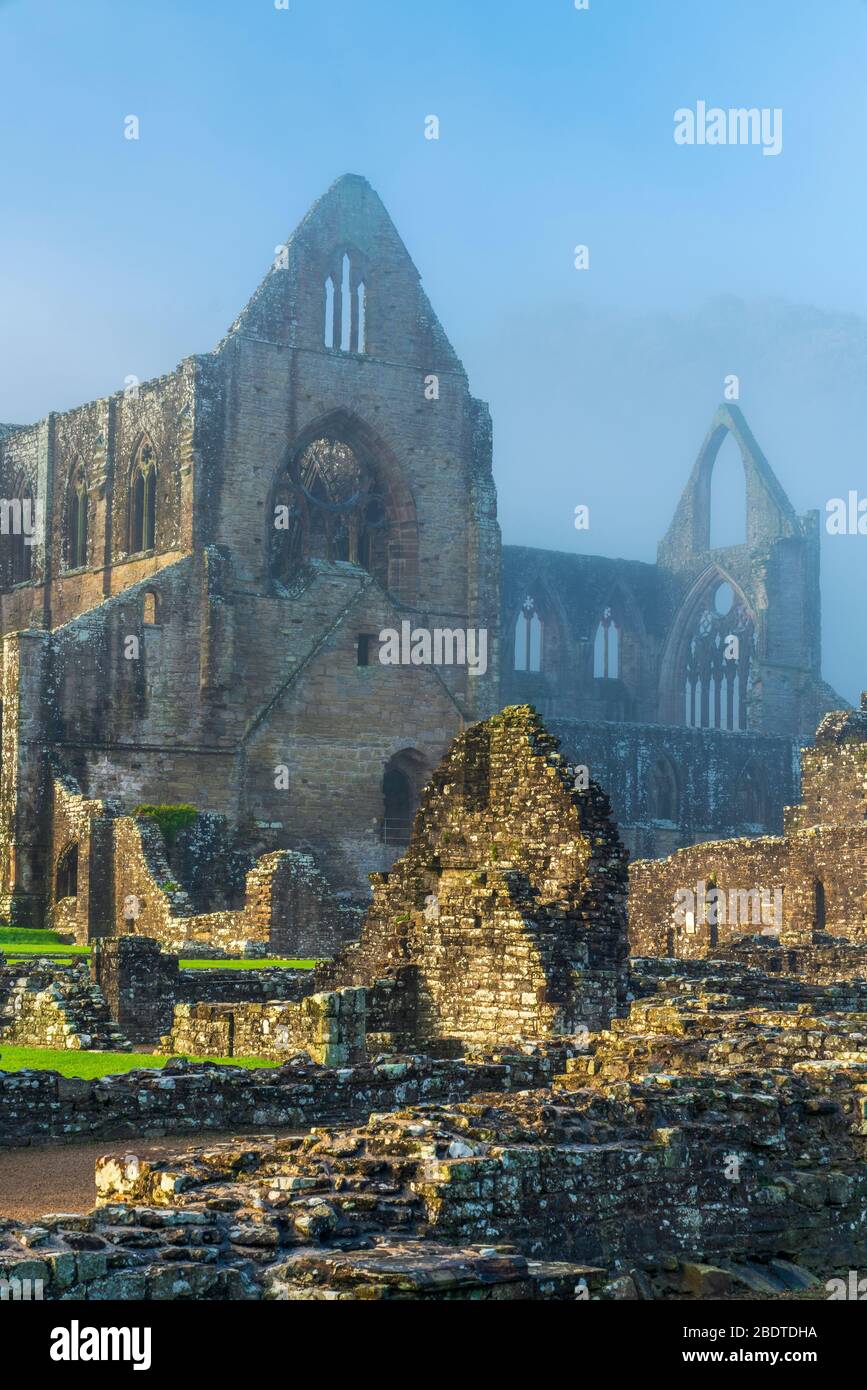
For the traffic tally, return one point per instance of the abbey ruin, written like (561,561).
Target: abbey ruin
(550,950)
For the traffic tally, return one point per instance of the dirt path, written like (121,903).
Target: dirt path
(59,1177)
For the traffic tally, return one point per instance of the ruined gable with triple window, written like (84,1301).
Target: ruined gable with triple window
(192,597)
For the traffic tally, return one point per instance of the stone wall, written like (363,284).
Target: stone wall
(188,1098)
(139,982)
(143,984)
(716,787)
(247,986)
(510,899)
(834,773)
(127,884)
(817,869)
(330,1028)
(56,1006)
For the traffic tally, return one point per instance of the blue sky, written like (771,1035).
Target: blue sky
(124,256)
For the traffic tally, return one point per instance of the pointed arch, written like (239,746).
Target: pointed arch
(707,660)
(727,499)
(329,312)
(66,873)
(403,778)
(769,511)
(663,795)
(19,525)
(341,494)
(143,497)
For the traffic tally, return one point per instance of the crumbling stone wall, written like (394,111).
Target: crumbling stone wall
(248,986)
(834,773)
(510,899)
(818,867)
(825,962)
(187,1097)
(57,1006)
(330,1028)
(140,984)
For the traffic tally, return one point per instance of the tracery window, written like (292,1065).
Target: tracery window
(718,658)
(327,507)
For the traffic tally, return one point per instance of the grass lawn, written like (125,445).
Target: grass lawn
(22,943)
(20,953)
(246,964)
(25,937)
(19,943)
(92,1064)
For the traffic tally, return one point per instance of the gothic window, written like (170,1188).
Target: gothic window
(361,313)
(143,500)
(66,882)
(326,508)
(345,309)
(606,648)
(718,656)
(20,527)
(329,312)
(662,794)
(345,306)
(76,520)
(528,637)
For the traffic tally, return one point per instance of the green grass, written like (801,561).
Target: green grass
(94,1064)
(19,943)
(247,964)
(28,936)
(20,953)
(23,943)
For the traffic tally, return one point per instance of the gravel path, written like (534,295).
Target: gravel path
(59,1177)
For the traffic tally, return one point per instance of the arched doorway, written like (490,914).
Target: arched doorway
(402,782)
(66,879)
